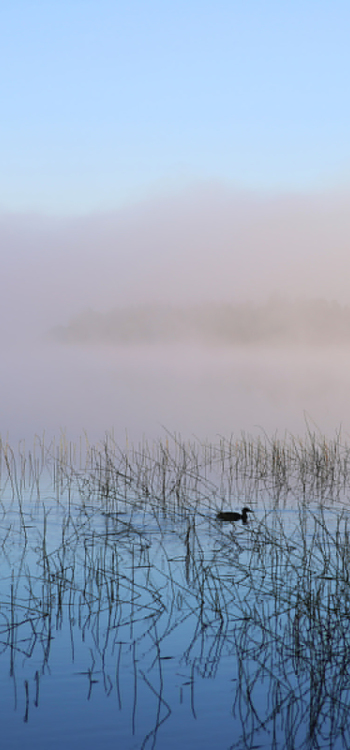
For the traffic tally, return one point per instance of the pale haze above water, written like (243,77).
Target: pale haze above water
(208,245)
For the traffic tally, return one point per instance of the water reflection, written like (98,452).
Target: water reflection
(194,390)
(131,614)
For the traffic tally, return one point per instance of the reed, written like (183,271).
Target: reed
(120,549)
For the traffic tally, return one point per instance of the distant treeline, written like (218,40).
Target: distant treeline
(275,322)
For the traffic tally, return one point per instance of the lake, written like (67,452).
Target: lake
(193,390)
(131,616)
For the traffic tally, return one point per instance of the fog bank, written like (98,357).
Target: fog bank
(206,247)
(190,390)
(277,322)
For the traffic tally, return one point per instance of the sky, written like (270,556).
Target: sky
(108,103)
(181,152)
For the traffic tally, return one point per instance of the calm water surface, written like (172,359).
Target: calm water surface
(190,390)
(128,623)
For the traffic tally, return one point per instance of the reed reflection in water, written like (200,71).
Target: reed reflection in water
(131,615)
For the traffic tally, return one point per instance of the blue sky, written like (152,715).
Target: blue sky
(107,102)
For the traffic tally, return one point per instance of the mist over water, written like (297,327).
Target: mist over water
(208,246)
(190,390)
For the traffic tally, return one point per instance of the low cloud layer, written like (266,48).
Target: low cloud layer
(210,250)
(208,245)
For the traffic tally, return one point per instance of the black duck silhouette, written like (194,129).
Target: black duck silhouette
(231,516)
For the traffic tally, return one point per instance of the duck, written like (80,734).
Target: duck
(231,516)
